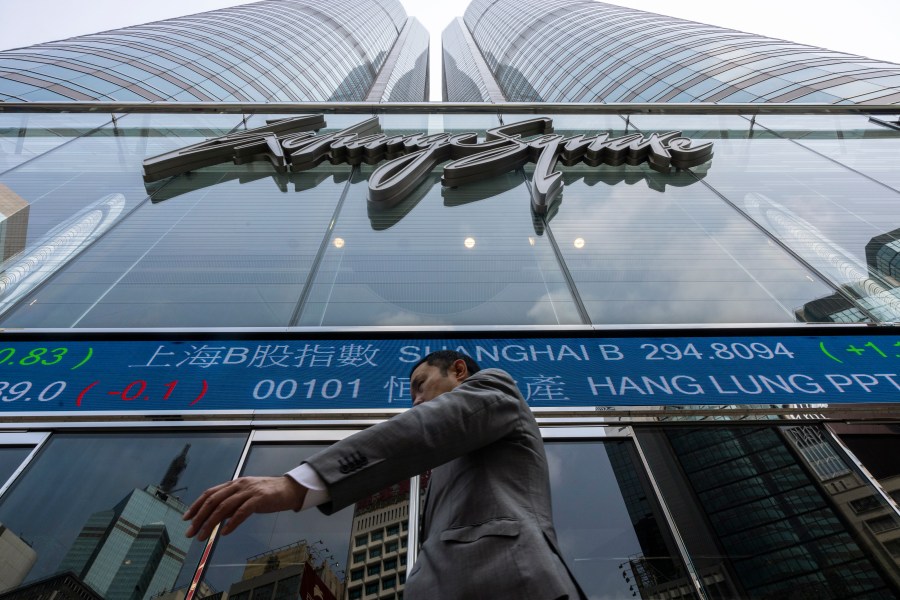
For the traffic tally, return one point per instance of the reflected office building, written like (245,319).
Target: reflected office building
(689,262)
(17,559)
(876,290)
(773,526)
(293,571)
(377,560)
(134,550)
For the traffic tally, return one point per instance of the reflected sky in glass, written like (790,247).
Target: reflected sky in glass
(59,204)
(822,211)
(235,245)
(223,248)
(106,162)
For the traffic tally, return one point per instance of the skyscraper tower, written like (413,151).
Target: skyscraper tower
(134,550)
(270,51)
(583,51)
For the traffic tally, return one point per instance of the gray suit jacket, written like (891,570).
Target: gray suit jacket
(487,528)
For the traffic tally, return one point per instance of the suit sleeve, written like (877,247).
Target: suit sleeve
(483,409)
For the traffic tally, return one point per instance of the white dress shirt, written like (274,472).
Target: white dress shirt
(308,478)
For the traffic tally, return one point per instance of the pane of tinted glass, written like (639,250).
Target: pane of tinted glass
(108,508)
(611,532)
(773,513)
(11,458)
(61,202)
(333,122)
(191,235)
(705,127)
(294,552)
(837,221)
(24,136)
(645,247)
(438,258)
(569,125)
(851,140)
(231,246)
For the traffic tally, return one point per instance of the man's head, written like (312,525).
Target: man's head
(439,372)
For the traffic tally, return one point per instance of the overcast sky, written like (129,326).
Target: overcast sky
(865,27)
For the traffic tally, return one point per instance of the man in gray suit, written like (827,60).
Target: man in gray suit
(487,530)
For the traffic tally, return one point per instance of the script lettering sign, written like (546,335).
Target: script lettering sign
(292,145)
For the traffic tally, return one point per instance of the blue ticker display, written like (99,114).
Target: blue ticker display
(80,373)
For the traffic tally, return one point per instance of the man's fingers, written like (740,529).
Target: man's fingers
(237,517)
(226,505)
(238,499)
(198,503)
(214,498)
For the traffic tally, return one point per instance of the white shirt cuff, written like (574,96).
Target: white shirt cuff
(308,478)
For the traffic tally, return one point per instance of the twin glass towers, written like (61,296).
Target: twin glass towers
(500,50)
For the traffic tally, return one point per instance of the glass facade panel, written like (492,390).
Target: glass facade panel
(26,136)
(108,508)
(11,458)
(84,191)
(770,230)
(853,141)
(650,248)
(206,252)
(611,532)
(437,258)
(769,521)
(825,213)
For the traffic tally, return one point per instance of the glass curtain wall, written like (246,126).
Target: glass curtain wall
(794,219)
(757,511)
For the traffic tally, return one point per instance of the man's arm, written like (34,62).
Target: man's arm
(483,409)
(480,411)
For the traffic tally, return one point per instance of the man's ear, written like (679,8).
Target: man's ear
(460,370)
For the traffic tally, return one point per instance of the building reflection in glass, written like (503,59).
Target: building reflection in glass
(80,523)
(766,513)
(135,549)
(611,531)
(17,559)
(875,294)
(297,570)
(377,558)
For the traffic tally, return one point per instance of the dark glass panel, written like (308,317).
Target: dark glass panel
(108,508)
(11,458)
(878,452)
(768,512)
(611,532)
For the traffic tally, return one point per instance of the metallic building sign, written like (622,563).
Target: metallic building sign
(291,144)
(196,372)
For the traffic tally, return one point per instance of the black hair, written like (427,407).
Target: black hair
(444,358)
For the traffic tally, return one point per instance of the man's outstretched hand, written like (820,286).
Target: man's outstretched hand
(238,499)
